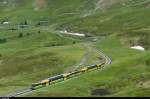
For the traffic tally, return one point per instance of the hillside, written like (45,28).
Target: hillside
(125,77)
(32,47)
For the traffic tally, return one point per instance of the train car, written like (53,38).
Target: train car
(54,78)
(46,81)
(66,75)
(41,83)
(84,69)
(91,67)
(74,72)
(99,65)
(34,85)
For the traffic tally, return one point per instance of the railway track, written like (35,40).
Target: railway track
(65,76)
(28,90)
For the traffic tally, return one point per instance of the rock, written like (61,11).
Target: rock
(101,91)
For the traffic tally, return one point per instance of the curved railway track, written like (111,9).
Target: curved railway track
(64,76)
(103,61)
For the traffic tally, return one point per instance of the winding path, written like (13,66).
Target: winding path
(83,60)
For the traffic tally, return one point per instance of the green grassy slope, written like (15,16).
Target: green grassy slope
(126,76)
(120,18)
(36,56)
(33,57)
(125,18)
(56,11)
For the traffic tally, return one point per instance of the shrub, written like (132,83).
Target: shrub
(74,42)
(39,31)
(28,34)
(20,35)
(3,40)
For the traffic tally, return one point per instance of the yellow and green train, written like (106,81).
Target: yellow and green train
(65,76)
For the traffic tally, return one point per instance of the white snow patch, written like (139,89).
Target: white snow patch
(76,34)
(138,48)
(6,22)
(5,2)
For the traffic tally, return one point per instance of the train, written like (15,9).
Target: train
(66,76)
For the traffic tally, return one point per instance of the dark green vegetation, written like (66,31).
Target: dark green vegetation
(31,49)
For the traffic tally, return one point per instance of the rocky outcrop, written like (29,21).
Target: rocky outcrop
(105,4)
(38,4)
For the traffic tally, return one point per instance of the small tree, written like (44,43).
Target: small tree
(3,40)
(39,31)
(53,44)
(25,23)
(39,23)
(74,42)
(20,35)
(28,34)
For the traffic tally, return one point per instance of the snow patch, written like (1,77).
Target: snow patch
(76,34)
(138,48)
(5,22)
(5,2)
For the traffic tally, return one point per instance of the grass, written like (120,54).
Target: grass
(36,56)
(122,78)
